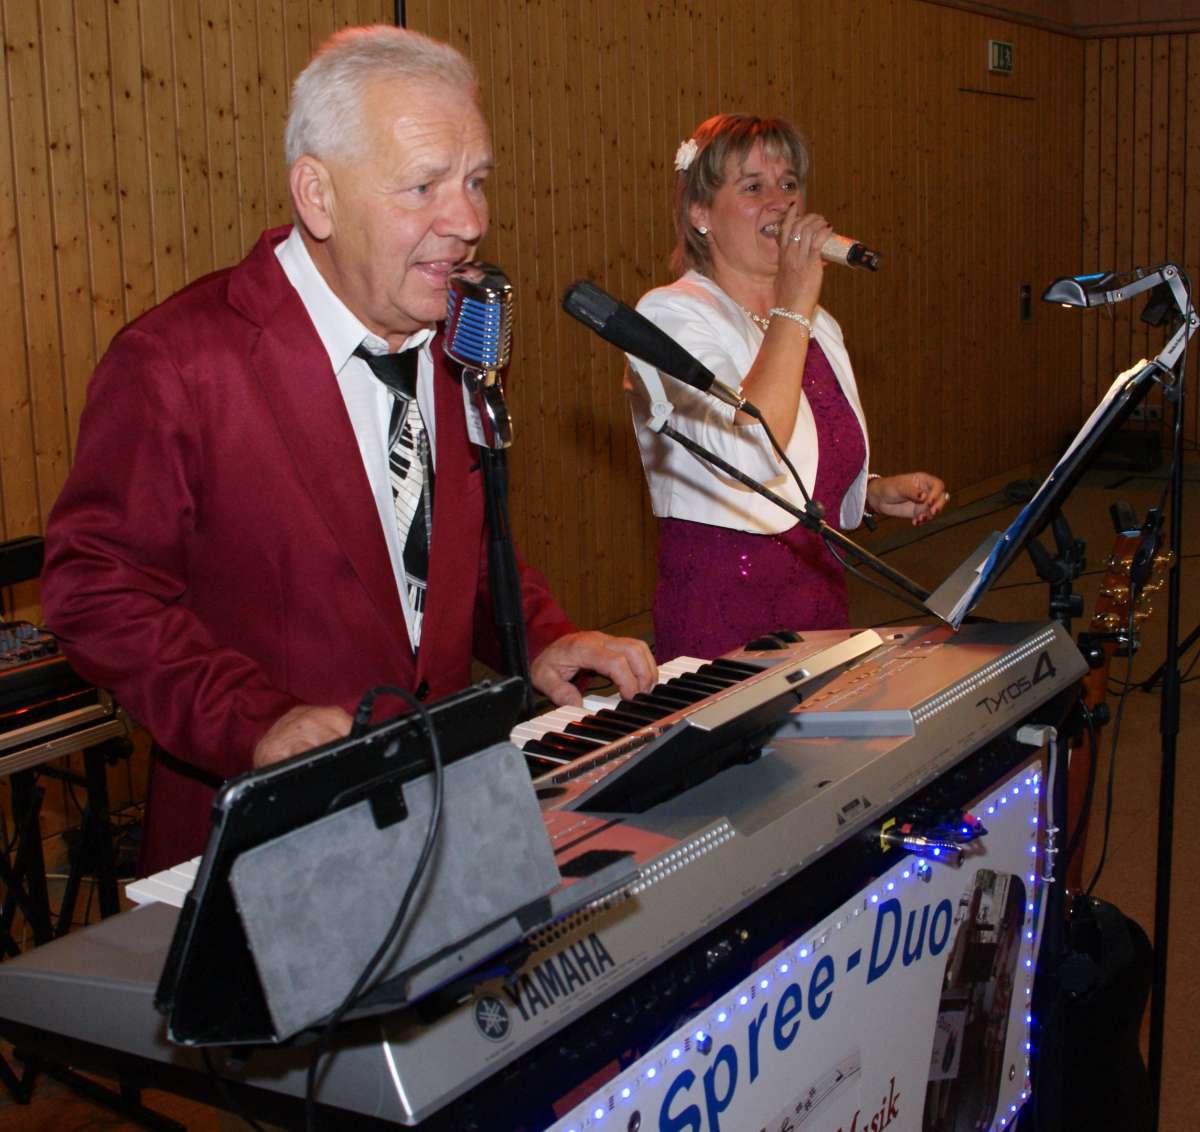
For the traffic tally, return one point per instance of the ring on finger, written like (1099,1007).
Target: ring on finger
(796,237)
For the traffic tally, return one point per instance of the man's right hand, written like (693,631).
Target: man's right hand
(301,729)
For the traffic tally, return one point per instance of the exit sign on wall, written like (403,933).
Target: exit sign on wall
(1000,56)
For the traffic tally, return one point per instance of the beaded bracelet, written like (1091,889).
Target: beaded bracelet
(795,316)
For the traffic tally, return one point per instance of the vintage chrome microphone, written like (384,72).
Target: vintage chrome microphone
(478,337)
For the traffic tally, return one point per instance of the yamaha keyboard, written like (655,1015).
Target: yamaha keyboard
(845,731)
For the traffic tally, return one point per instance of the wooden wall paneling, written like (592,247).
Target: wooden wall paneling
(1157,206)
(323,22)
(1107,244)
(72,277)
(297,39)
(133,174)
(582,363)
(19,511)
(274,85)
(593,191)
(616,106)
(245,83)
(631,172)
(600,421)
(1142,187)
(983,237)
(941,264)
(1089,252)
(555,468)
(1176,108)
(708,98)
(434,19)
(162,151)
(537,468)
(195,167)
(1126,124)
(868,307)
(1069,190)
(216,44)
(741,58)
(1191,214)
(35,225)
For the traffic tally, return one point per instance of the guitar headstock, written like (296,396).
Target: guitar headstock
(1112,606)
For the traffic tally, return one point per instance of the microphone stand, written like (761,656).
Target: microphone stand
(661,409)
(508,610)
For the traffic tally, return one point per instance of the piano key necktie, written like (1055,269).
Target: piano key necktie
(410,473)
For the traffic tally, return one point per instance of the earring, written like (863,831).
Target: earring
(702,231)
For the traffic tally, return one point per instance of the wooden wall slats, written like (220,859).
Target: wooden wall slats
(1090,183)
(216,51)
(275,76)
(69,208)
(199,232)
(18,487)
(162,148)
(1176,156)
(132,167)
(251,183)
(1191,212)
(35,223)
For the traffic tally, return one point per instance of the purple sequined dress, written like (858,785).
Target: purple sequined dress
(718,588)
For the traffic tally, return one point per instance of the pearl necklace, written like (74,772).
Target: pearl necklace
(758,320)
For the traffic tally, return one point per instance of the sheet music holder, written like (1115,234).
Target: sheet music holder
(265,945)
(954,599)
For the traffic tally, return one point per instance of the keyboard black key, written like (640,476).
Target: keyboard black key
(593,728)
(570,745)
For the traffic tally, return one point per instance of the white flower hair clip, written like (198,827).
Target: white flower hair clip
(685,155)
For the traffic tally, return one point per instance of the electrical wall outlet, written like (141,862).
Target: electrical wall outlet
(1153,412)
(1138,413)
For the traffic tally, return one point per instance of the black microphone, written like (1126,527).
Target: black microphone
(637,335)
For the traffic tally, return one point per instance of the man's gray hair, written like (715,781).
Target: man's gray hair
(325,116)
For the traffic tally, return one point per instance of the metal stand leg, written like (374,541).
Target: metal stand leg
(25,876)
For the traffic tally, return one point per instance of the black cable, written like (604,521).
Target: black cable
(1112,753)
(361,984)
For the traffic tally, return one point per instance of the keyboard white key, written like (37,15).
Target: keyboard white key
(558,718)
(170,886)
(554,720)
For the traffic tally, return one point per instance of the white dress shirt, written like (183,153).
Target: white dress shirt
(368,401)
(716,331)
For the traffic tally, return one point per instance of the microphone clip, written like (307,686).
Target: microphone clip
(486,392)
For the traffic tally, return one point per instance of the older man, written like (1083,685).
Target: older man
(231,554)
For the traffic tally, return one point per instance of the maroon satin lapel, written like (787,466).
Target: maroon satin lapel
(293,368)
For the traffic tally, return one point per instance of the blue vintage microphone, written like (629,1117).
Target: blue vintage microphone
(478,337)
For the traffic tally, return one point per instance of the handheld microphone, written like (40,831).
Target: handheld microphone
(843,250)
(637,335)
(849,253)
(478,337)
